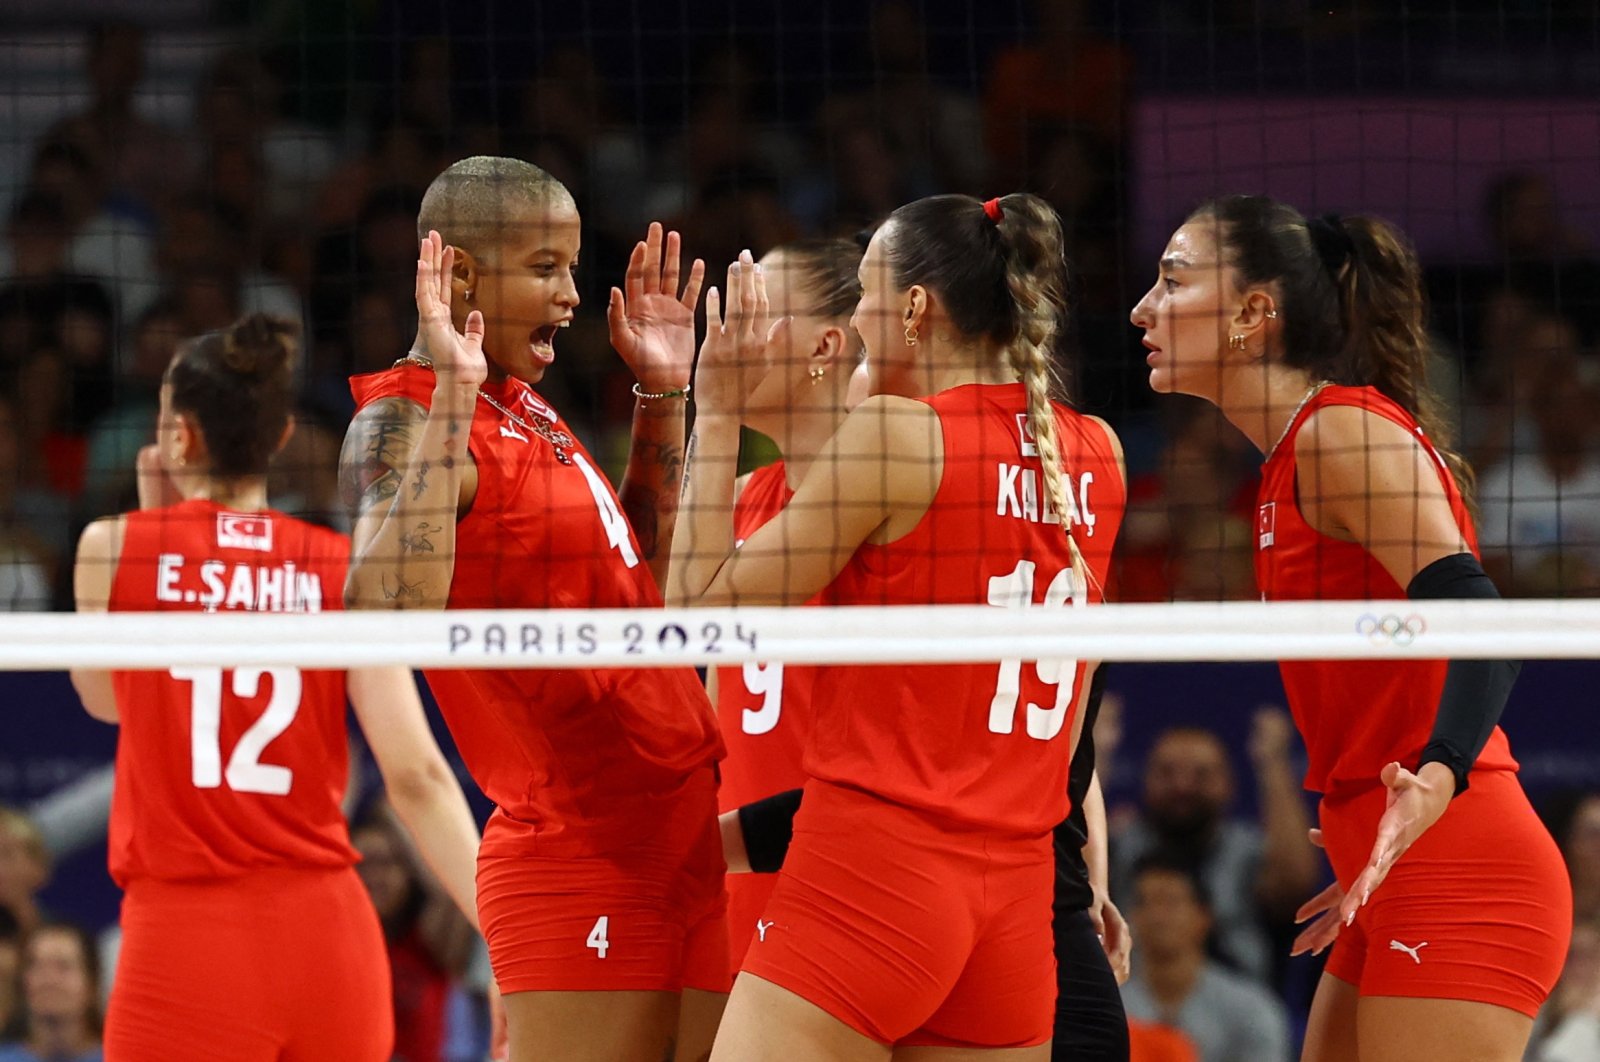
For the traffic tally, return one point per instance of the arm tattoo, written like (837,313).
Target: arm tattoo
(377,450)
(416,540)
(640,506)
(420,487)
(403,591)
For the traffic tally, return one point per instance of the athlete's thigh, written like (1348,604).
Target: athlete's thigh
(767,1023)
(591,1026)
(699,1014)
(1406,1029)
(1331,1027)
(1040,1053)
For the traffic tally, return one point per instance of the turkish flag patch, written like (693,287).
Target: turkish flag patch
(244,531)
(1266,522)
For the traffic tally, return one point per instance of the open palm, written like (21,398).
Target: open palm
(651,322)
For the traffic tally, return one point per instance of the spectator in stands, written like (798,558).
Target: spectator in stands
(1523,216)
(1250,872)
(136,155)
(24,868)
(1568,1028)
(35,524)
(61,997)
(429,940)
(1174,983)
(115,439)
(1575,823)
(1539,509)
(10,975)
(1066,74)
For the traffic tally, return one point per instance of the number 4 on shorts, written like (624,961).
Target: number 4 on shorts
(597,936)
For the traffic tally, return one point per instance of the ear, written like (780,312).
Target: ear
(918,304)
(191,444)
(1253,312)
(831,346)
(465,273)
(283,440)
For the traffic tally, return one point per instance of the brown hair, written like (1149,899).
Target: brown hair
(828,269)
(1003,279)
(479,202)
(239,385)
(1349,291)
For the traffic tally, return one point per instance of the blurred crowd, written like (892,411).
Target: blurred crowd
(123,235)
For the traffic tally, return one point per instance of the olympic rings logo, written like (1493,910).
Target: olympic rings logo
(1391,629)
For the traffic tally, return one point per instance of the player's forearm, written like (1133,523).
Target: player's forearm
(1095,855)
(1288,861)
(429,801)
(653,480)
(704,540)
(404,545)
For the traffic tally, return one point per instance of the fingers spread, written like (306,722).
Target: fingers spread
(669,265)
(633,281)
(691,290)
(652,260)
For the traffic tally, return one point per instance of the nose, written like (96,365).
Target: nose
(568,295)
(1140,314)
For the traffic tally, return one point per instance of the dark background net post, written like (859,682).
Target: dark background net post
(280,150)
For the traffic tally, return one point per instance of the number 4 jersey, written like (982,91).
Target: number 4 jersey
(222,772)
(576,758)
(984,745)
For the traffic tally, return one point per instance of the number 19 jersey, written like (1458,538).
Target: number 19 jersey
(982,745)
(223,772)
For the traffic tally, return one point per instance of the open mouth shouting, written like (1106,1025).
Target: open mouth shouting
(541,341)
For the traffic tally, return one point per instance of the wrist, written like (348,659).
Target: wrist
(1438,776)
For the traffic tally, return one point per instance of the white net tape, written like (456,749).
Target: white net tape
(1225,631)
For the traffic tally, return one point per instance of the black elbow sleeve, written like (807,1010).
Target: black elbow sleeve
(1475,691)
(768,827)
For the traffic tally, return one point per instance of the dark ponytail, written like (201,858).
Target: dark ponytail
(1350,295)
(238,384)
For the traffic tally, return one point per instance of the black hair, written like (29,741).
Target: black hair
(238,384)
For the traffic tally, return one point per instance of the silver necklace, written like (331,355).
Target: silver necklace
(559,441)
(1311,392)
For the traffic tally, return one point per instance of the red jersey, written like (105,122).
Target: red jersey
(979,744)
(555,749)
(1355,715)
(764,708)
(222,772)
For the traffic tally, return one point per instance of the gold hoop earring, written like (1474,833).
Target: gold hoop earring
(1236,342)
(816,372)
(911,336)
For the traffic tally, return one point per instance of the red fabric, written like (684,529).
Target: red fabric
(764,732)
(173,816)
(1159,1043)
(572,758)
(286,964)
(1355,715)
(908,931)
(421,992)
(940,737)
(661,897)
(1485,888)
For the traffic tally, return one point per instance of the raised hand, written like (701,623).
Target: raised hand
(156,487)
(651,322)
(1415,802)
(457,356)
(733,354)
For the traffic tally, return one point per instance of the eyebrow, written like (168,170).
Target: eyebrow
(1173,261)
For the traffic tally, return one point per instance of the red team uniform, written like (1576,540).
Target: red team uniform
(601,868)
(764,711)
(1485,888)
(246,933)
(915,900)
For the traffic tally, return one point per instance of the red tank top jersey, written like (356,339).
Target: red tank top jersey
(977,744)
(554,748)
(222,772)
(764,709)
(1355,715)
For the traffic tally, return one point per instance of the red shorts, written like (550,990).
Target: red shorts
(285,965)
(747,901)
(1479,909)
(648,914)
(911,931)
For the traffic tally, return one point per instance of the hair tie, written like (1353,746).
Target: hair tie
(1333,244)
(991,210)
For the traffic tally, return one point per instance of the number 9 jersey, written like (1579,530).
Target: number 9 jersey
(224,772)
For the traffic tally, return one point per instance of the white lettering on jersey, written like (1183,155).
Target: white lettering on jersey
(248,587)
(1020,491)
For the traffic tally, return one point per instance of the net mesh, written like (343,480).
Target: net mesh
(165,169)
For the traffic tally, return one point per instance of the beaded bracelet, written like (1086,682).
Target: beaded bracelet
(679,392)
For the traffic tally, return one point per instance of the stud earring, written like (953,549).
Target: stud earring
(1272,315)
(911,336)
(816,372)
(1236,342)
